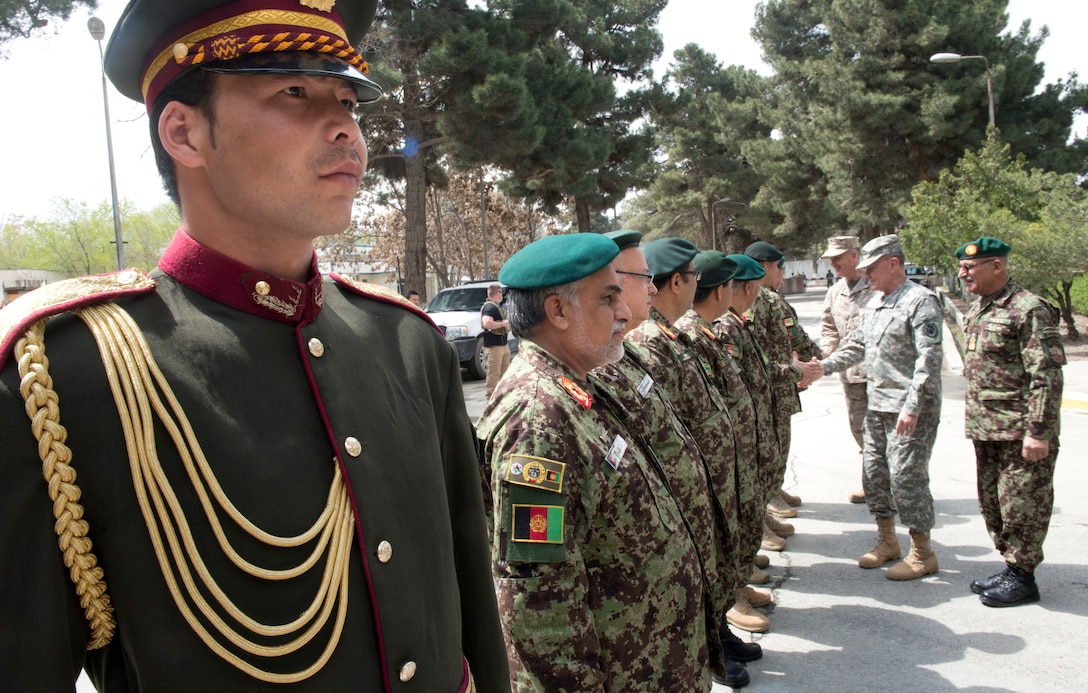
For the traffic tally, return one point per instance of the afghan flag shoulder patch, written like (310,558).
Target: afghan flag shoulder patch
(537,524)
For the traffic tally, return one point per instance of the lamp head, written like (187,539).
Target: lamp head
(946,58)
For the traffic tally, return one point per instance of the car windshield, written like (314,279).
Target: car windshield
(467,298)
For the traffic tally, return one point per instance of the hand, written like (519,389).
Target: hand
(1034,449)
(825,352)
(906,424)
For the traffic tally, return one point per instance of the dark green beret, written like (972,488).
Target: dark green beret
(667,256)
(762,251)
(625,238)
(747,269)
(558,260)
(715,268)
(984,247)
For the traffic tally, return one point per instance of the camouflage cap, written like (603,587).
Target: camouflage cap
(558,260)
(747,269)
(762,251)
(837,245)
(984,246)
(715,267)
(625,238)
(666,256)
(878,248)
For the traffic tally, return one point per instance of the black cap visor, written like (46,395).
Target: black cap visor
(303,63)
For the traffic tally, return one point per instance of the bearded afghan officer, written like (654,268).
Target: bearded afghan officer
(599,581)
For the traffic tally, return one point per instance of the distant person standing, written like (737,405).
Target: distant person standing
(830,277)
(843,306)
(496,328)
(413,296)
(1013,363)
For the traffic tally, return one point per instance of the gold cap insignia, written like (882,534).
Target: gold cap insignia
(970,250)
(319,5)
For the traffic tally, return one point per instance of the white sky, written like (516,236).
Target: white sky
(53,134)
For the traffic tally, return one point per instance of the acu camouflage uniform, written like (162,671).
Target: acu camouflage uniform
(843,307)
(724,372)
(653,421)
(900,340)
(701,408)
(735,334)
(774,324)
(1013,364)
(598,580)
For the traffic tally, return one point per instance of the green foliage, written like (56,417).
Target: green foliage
(1079,294)
(22,18)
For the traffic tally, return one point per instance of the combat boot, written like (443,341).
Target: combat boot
(771,541)
(755,597)
(736,649)
(887,546)
(857,496)
(790,498)
(921,560)
(732,676)
(782,529)
(982,584)
(759,576)
(780,508)
(761,561)
(1018,587)
(743,616)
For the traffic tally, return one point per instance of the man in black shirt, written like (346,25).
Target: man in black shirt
(496,327)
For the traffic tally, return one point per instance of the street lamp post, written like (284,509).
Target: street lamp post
(98,31)
(955,58)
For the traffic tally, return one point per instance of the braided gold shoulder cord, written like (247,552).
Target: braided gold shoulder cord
(134,378)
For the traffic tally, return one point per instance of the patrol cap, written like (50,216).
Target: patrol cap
(878,248)
(715,267)
(625,238)
(748,270)
(667,256)
(558,260)
(837,245)
(984,246)
(155,41)
(762,251)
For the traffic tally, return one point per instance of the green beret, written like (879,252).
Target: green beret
(558,260)
(748,270)
(715,268)
(983,247)
(625,238)
(762,251)
(667,256)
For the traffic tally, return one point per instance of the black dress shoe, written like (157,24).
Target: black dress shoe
(738,650)
(1017,588)
(982,584)
(735,675)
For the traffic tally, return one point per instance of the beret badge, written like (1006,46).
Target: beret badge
(970,250)
(319,5)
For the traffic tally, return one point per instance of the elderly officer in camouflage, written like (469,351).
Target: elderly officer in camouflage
(782,338)
(641,399)
(261,477)
(843,305)
(900,340)
(599,582)
(1013,363)
(712,300)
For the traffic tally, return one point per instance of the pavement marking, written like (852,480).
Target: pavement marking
(1074,404)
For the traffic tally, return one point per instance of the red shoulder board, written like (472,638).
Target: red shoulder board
(63,296)
(572,388)
(668,333)
(380,293)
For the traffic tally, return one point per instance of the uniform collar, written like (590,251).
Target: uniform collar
(999,296)
(541,360)
(239,286)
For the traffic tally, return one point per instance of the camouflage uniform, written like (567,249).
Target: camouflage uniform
(598,580)
(724,372)
(774,324)
(701,408)
(843,307)
(900,340)
(629,385)
(1013,363)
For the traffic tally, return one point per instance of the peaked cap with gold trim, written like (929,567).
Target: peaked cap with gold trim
(155,42)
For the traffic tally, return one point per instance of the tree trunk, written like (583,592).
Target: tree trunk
(1065,304)
(415,194)
(581,210)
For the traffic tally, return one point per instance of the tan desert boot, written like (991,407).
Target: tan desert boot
(761,561)
(780,508)
(782,529)
(754,596)
(743,616)
(771,541)
(790,498)
(857,496)
(887,546)
(759,576)
(921,560)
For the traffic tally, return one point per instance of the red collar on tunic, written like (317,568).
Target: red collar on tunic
(239,286)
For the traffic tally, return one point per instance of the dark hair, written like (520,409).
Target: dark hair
(525,307)
(194,88)
(703,293)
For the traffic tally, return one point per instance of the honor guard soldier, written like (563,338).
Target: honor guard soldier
(253,482)
(599,581)
(1013,363)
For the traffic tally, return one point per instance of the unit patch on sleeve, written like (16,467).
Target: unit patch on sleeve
(537,524)
(535,472)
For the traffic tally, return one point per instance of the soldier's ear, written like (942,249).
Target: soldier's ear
(557,311)
(185,134)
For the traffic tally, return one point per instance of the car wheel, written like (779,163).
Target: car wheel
(477,367)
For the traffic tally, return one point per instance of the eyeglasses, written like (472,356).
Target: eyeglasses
(967,268)
(781,262)
(648,277)
(698,274)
